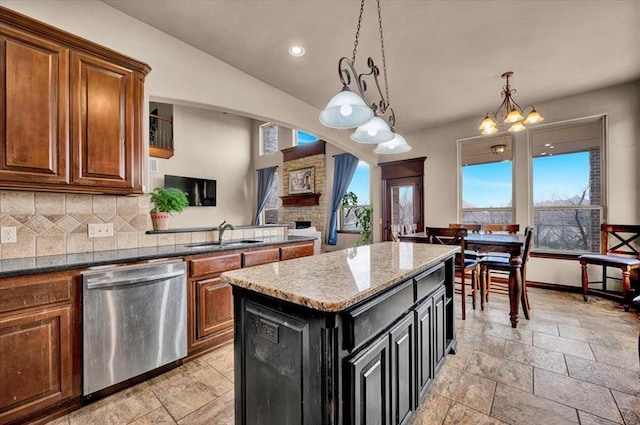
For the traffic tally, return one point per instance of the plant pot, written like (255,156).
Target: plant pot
(160,221)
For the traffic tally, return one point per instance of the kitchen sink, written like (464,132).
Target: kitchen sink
(223,244)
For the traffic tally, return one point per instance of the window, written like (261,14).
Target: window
(487,180)
(360,186)
(303,138)
(567,186)
(268,138)
(270,212)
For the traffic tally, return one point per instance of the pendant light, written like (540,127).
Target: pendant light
(348,109)
(397,145)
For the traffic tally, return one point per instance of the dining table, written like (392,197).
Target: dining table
(487,243)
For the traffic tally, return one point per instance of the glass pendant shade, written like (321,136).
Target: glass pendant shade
(346,110)
(375,131)
(487,122)
(397,145)
(517,126)
(533,117)
(489,130)
(514,116)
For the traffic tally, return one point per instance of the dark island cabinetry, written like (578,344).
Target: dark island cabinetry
(370,363)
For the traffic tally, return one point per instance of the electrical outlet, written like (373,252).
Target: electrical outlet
(100,230)
(8,234)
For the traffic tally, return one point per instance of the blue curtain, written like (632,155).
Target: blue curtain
(345,168)
(265,180)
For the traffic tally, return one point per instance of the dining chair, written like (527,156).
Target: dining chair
(452,236)
(492,263)
(501,228)
(471,228)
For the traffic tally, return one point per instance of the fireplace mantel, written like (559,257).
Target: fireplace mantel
(301,200)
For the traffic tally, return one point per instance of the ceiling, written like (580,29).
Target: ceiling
(444,58)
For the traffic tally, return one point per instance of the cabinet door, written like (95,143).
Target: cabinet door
(295,251)
(424,343)
(105,148)
(402,371)
(33,110)
(369,382)
(439,328)
(37,363)
(215,307)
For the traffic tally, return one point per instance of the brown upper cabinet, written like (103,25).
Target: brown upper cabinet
(71,111)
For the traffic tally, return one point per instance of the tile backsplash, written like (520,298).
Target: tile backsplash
(57,223)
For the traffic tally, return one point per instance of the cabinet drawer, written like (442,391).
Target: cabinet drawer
(429,280)
(295,251)
(369,319)
(263,256)
(217,264)
(33,294)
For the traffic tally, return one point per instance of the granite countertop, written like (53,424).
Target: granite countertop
(51,263)
(337,280)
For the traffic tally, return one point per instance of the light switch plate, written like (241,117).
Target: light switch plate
(100,230)
(8,234)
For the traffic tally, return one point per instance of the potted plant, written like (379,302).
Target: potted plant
(165,201)
(362,213)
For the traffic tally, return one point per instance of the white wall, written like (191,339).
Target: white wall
(621,104)
(211,145)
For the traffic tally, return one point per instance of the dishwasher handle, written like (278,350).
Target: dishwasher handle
(110,283)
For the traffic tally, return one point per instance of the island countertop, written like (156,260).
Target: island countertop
(337,280)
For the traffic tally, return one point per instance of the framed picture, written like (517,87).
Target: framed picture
(302,180)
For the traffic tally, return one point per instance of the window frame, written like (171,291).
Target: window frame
(477,139)
(261,138)
(602,207)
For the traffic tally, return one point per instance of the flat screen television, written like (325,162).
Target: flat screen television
(200,192)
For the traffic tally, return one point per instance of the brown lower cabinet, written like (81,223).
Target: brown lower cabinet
(40,340)
(210,302)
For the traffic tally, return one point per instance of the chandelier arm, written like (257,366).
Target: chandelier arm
(346,69)
(355,43)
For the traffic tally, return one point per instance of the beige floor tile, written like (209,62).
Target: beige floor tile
(629,406)
(563,345)
(183,394)
(221,359)
(459,414)
(157,417)
(573,392)
(507,332)
(625,359)
(474,391)
(536,356)
(121,408)
(538,325)
(589,419)
(217,412)
(607,339)
(480,342)
(519,408)
(461,359)
(555,316)
(503,371)
(604,375)
(60,421)
(432,410)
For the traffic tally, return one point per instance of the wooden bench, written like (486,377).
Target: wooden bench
(618,250)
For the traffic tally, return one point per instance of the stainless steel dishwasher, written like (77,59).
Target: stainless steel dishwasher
(135,320)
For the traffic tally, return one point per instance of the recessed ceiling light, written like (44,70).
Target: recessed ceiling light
(296,51)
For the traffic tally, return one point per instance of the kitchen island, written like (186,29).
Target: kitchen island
(348,337)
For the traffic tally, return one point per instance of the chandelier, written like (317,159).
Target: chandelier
(353,110)
(509,112)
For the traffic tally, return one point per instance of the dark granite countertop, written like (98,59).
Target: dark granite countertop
(210,229)
(51,263)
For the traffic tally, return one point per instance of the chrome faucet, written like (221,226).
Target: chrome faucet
(224,226)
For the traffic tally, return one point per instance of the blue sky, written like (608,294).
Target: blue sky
(554,177)
(360,183)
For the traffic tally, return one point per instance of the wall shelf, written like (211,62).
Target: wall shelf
(301,200)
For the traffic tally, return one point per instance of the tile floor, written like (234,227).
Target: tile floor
(572,363)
